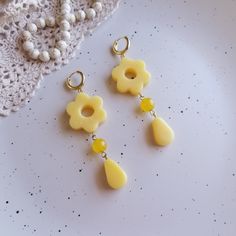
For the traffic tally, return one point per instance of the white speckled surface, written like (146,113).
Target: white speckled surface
(52,185)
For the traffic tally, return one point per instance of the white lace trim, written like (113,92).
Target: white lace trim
(10,8)
(19,75)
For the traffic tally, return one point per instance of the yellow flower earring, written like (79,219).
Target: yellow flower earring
(131,76)
(87,113)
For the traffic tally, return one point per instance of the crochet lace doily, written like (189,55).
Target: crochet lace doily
(10,8)
(19,75)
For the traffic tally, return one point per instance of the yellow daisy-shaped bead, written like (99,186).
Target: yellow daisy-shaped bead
(131,76)
(86,112)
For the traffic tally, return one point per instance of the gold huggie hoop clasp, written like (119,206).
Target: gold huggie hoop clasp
(75,87)
(121,52)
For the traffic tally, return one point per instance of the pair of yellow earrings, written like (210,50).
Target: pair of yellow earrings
(87,112)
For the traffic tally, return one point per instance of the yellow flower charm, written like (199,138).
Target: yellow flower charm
(86,112)
(131,76)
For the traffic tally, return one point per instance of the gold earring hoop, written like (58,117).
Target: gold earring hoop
(115,46)
(78,87)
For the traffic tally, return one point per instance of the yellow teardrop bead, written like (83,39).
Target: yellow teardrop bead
(163,134)
(116,177)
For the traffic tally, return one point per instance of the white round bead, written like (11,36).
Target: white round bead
(97,6)
(65,6)
(34,54)
(61,45)
(69,17)
(64,25)
(26,35)
(65,11)
(90,13)
(32,27)
(72,18)
(65,35)
(44,56)
(54,53)
(66,17)
(80,15)
(65,1)
(50,21)
(28,46)
(40,23)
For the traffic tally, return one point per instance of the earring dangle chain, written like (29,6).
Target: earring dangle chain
(131,77)
(87,113)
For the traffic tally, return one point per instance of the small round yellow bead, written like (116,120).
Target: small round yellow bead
(99,145)
(147,104)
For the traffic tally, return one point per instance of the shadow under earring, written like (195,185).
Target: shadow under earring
(131,76)
(86,113)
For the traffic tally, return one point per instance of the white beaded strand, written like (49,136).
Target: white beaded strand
(64,21)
